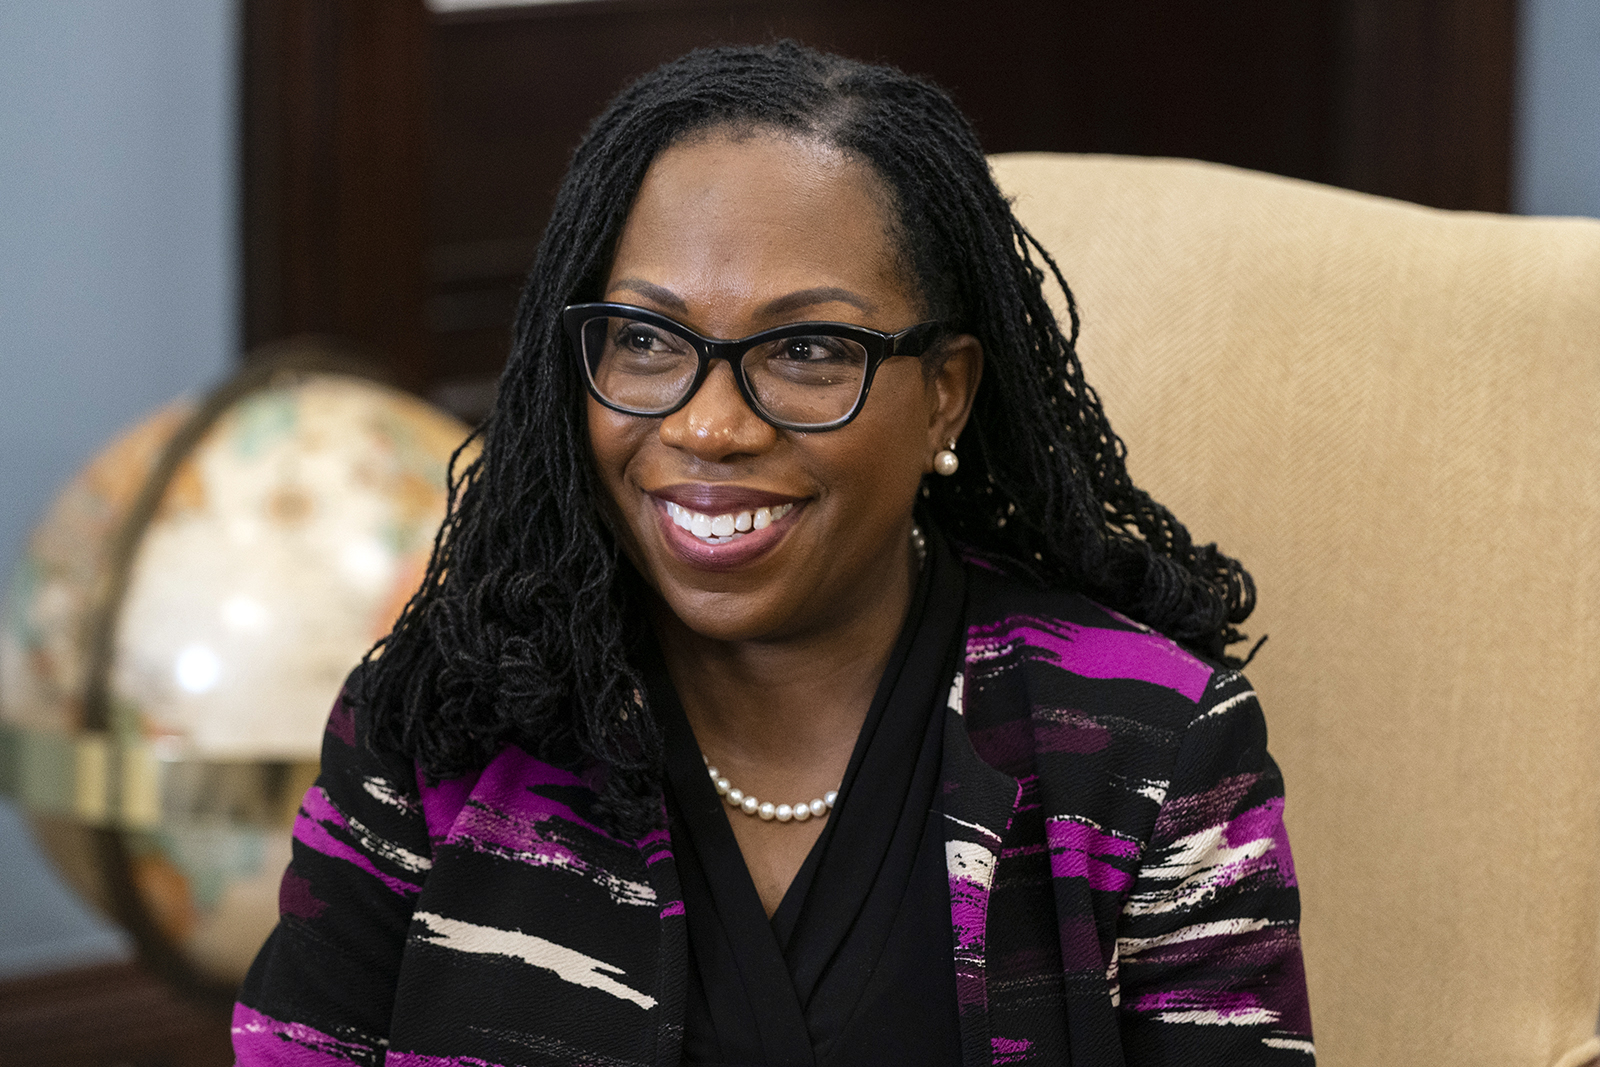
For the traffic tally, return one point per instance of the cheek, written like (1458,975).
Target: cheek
(886,456)
(897,419)
(614,440)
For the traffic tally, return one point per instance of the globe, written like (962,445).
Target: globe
(177,628)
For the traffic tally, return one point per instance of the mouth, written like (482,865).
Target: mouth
(727,527)
(719,527)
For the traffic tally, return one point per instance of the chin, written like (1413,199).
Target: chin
(726,616)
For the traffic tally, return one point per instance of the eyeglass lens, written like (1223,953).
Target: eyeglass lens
(806,380)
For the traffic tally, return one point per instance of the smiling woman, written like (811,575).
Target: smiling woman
(798,677)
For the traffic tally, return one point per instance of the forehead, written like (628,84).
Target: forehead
(722,219)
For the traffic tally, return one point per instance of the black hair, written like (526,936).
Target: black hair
(522,630)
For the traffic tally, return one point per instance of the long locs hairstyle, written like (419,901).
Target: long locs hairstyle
(522,631)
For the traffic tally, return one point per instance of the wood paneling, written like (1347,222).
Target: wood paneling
(363,126)
(335,175)
(117,1015)
(1425,101)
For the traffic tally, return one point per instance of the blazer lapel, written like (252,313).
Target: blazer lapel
(979,806)
(673,967)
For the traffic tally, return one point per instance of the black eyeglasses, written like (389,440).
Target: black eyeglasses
(805,376)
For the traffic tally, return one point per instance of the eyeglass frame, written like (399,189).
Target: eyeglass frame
(913,341)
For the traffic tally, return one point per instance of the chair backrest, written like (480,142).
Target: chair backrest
(1391,414)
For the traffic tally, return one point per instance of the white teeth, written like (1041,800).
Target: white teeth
(721,528)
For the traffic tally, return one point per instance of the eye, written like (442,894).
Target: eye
(641,338)
(813,349)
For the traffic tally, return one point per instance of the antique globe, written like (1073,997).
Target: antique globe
(179,625)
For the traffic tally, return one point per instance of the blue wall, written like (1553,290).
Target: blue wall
(118,291)
(1557,156)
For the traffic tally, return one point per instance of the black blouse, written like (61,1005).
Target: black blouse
(855,966)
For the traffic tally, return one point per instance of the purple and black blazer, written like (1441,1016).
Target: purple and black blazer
(1121,888)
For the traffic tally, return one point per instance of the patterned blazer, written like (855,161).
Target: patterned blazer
(1121,888)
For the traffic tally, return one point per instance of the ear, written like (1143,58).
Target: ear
(951,392)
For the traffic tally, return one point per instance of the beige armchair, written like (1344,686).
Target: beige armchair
(1392,415)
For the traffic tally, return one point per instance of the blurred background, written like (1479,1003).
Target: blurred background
(185,181)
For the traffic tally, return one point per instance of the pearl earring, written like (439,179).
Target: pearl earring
(945,461)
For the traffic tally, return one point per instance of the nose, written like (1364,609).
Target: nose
(716,424)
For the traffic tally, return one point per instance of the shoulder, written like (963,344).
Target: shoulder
(1098,708)
(1051,645)
(1113,725)
(512,786)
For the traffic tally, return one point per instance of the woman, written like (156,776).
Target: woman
(779,699)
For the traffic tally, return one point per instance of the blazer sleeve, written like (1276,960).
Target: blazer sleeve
(1208,948)
(322,988)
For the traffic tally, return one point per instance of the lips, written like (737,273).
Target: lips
(720,527)
(713,499)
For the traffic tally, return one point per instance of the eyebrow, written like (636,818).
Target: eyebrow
(662,296)
(803,298)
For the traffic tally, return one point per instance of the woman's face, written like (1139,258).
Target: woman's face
(731,236)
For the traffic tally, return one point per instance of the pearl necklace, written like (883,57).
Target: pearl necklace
(766,810)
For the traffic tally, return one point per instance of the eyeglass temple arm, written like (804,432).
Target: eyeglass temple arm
(916,340)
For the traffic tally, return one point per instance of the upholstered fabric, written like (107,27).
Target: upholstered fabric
(1392,415)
